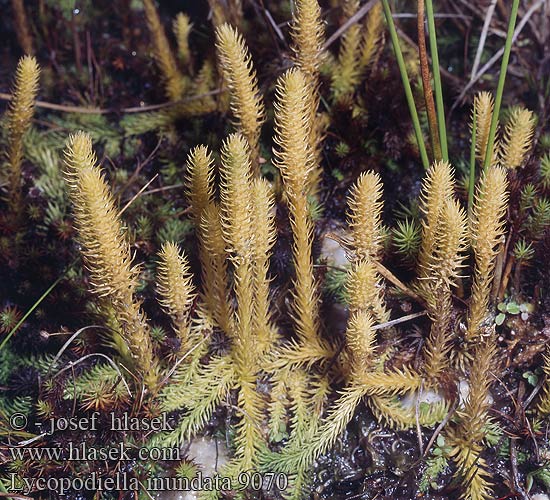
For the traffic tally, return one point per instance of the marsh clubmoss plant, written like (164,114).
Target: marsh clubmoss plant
(373,38)
(444,243)
(240,77)
(189,88)
(19,116)
(263,220)
(22,27)
(442,272)
(545,171)
(308,36)
(217,12)
(466,435)
(365,216)
(347,72)
(483,109)
(206,214)
(365,377)
(518,137)
(237,205)
(200,181)
(360,47)
(176,291)
(296,161)
(173,79)
(487,230)
(107,256)
(242,202)
(510,151)
(227,11)
(215,267)
(437,190)
(182,27)
(365,213)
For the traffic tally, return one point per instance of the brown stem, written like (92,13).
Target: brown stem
(499,267)
(505,278)
(426,83)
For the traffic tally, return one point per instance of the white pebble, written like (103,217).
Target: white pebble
(428,396)
(464,391)
(333,253)
(209,455)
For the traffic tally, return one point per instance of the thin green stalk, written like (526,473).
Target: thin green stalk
(4,490)
(437,81)
(406,85)
(472,164)
(501,80)
(33,307)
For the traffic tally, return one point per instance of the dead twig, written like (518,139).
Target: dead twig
(386,273)
(498,55)
(181,360)
(483,37)
(417,413)
(400,320)
(166,188)
(440,427)
(362,12)
(105,111)
(141,166)
(133,198)
(72,364)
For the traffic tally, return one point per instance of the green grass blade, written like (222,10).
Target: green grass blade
(406,85)
(437,81)
(31,310)
(501,80)
(4,490)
